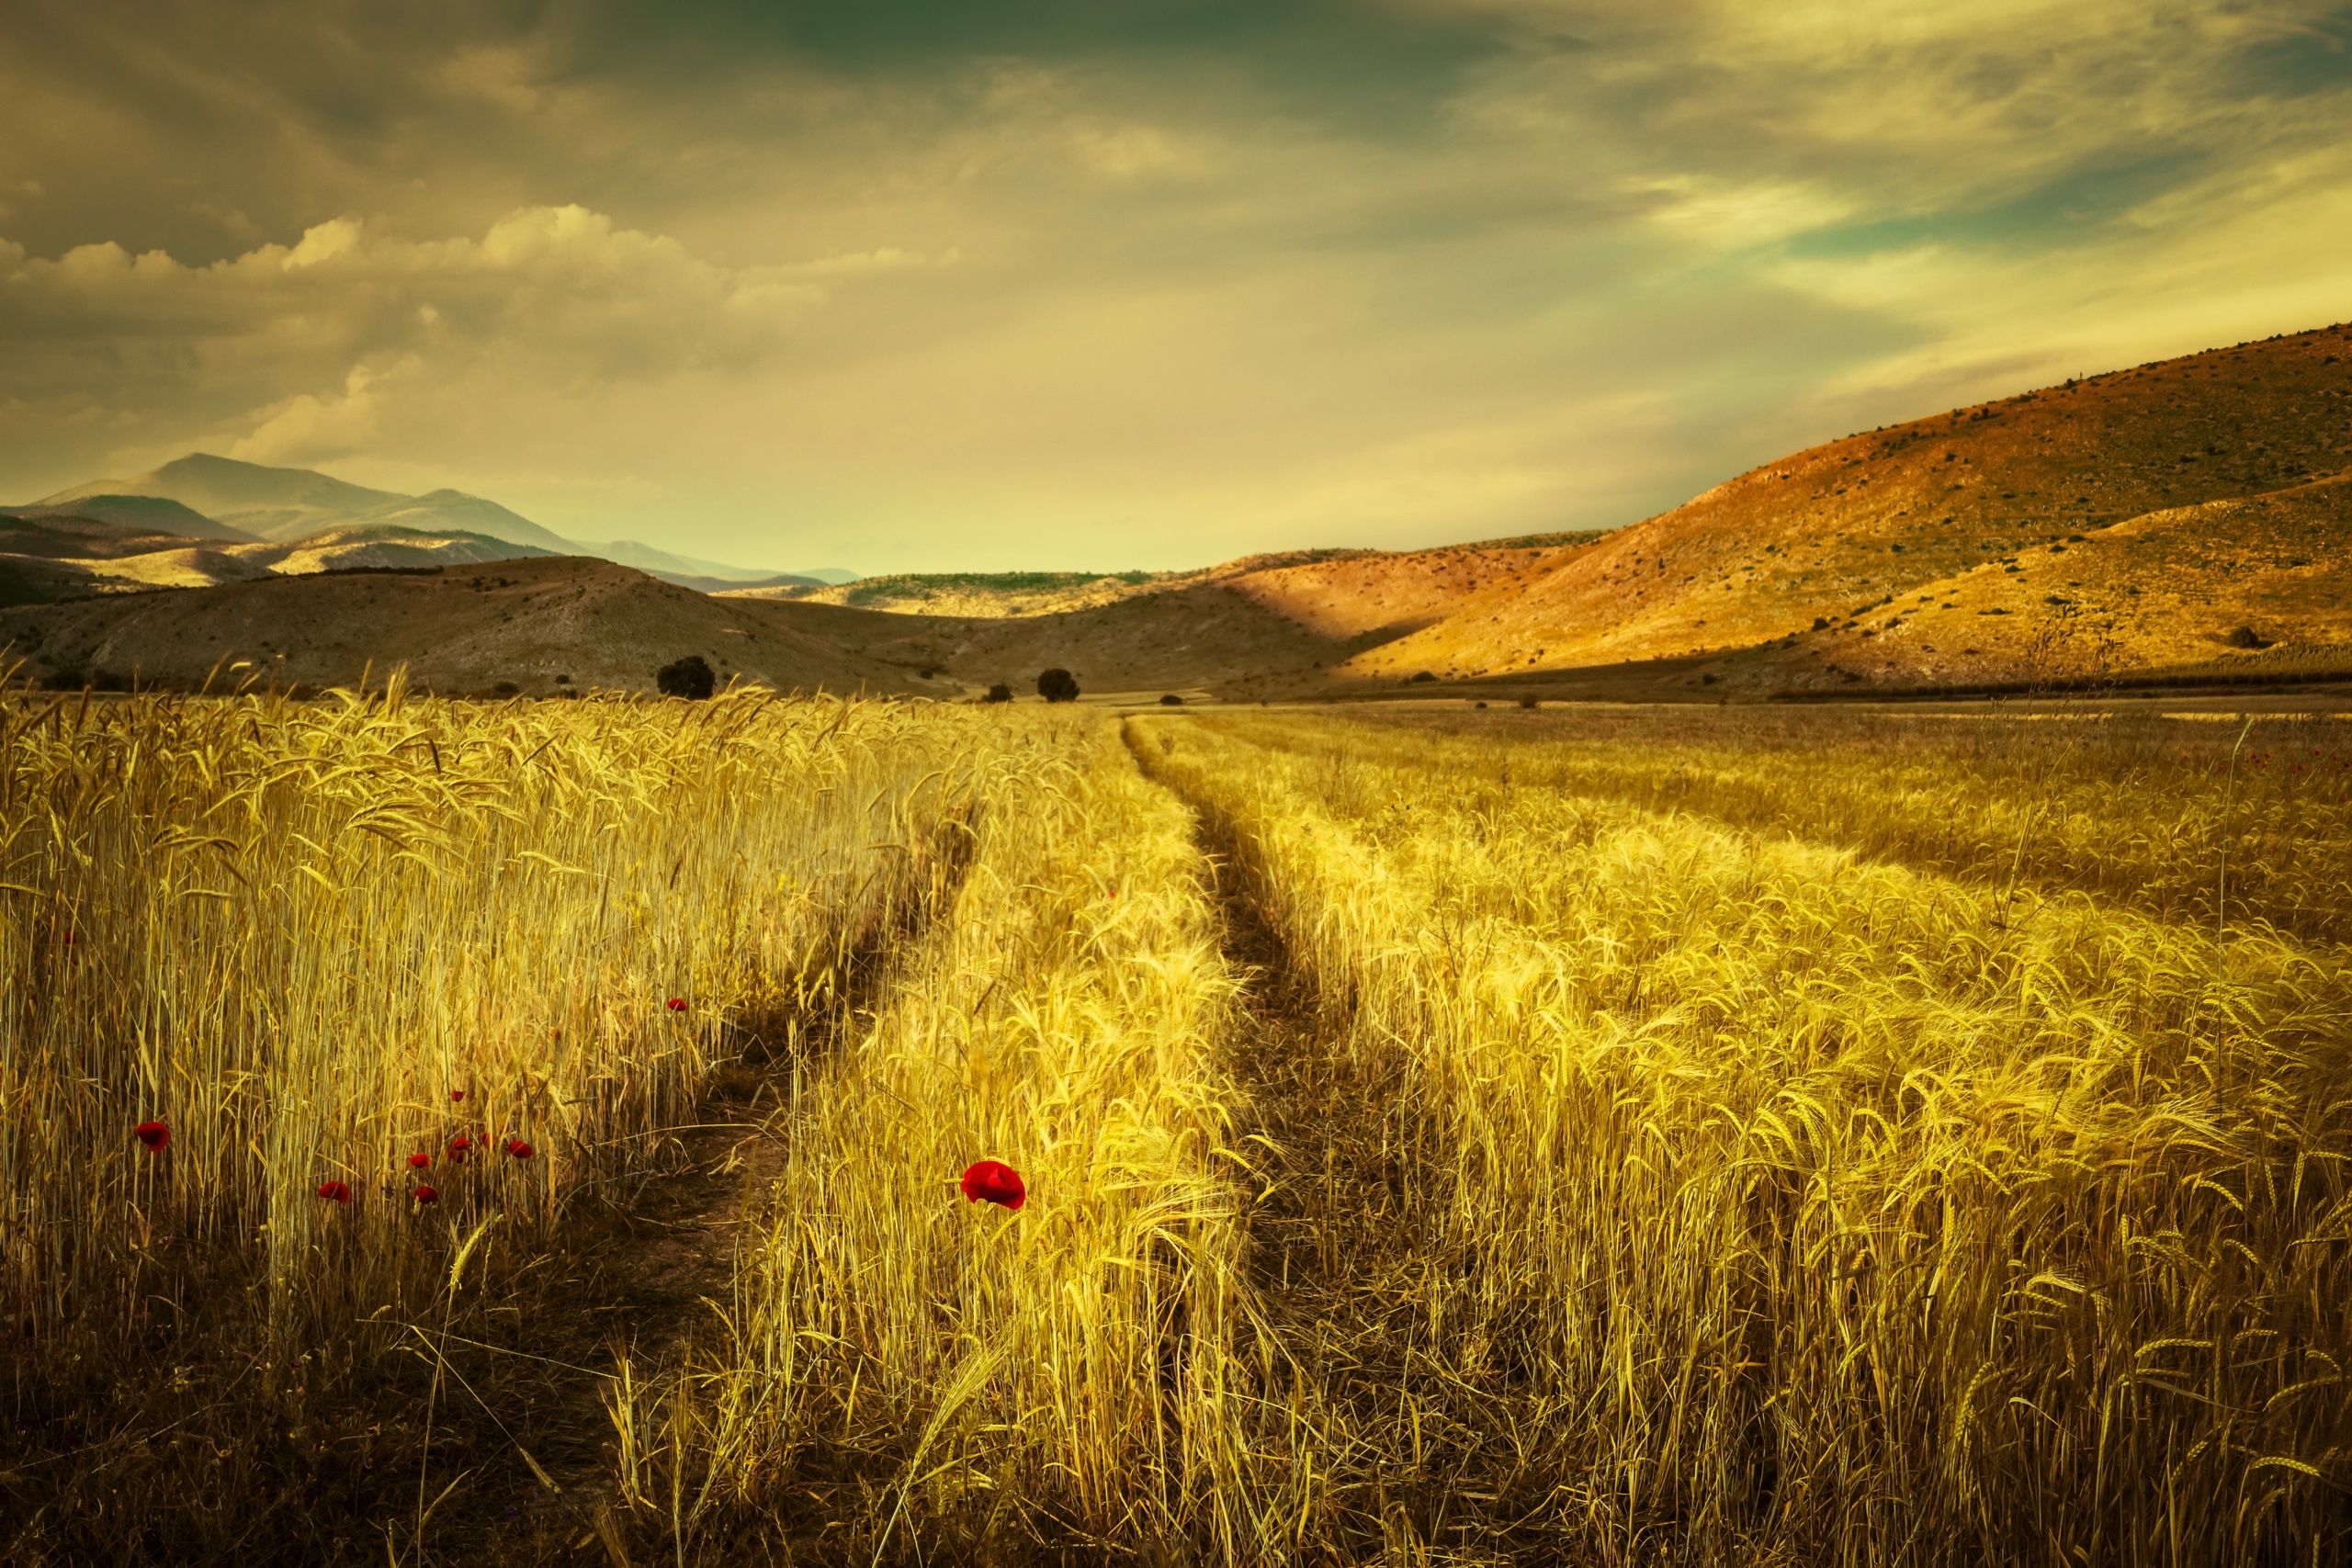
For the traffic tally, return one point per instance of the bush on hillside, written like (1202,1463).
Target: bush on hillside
(1171,701)
(689,677)
(1057,686)
(1000,692)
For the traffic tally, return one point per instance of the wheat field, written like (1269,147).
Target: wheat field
(1688,1135)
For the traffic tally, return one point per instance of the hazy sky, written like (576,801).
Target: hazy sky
(946,284)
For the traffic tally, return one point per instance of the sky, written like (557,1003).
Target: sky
(939,285)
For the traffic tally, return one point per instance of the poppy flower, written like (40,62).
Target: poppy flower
(994,1181)
(155,1135)
(419,1160)
(518,1149)
(425,1195)
(677,1004)
(458,1147)
(335,1191)
(455,1094)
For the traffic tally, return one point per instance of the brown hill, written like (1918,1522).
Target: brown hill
(1894,511)
(46,556)
(538,626)
(2218,580)
(2172,514)
(1260,626)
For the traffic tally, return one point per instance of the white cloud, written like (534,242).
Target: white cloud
(303,430)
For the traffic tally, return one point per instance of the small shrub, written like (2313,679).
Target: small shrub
(1821,623)
(1171,700)
(1423,675)
(2244,636)
(1530,701)
(1057,685)
(690,677)
(507,688)
(1000,692)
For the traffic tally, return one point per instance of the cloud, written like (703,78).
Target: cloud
(1043,284)
(303,430)
(362,320)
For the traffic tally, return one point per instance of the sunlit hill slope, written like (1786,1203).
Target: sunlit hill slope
(2155,455)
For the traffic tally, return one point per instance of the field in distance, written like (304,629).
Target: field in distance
(1716,1136)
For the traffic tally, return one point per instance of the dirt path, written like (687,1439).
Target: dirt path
(634,1271)
(1421,1424)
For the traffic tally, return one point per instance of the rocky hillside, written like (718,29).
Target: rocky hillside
(1898,512)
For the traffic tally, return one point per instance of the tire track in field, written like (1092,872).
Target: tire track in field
(1415,1438)
(632,1273)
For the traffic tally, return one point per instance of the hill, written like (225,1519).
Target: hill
(1908,509)
(2191,512)
(141,515)
(541,627)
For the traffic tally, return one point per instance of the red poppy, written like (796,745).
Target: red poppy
(155,1135)
(994,1181)
(334,1191)
(457,1094)
(518,1149)
(425,1195)
(419,1161)
(677,1004)
(458,1147)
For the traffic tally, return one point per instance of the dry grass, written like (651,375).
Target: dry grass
(297,933)
(1695,1138)
(904,1371)
(1825,1208)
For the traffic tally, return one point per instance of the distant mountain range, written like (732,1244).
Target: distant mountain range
(204,497)
(2182,521)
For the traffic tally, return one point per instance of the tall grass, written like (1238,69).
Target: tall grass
(2136,809)
(1619,1165)
(904,1371)
(317,938)
(1836,1210)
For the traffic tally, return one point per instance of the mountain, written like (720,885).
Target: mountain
(2193,514)
(253,501)
(287,503)
(143,513)
(1898,510)
(688,572)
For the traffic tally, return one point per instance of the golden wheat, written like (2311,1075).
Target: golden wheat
(1851,1213)
(318,940)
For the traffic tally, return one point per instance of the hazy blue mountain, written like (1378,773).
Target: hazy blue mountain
(285,504)
(223,498)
